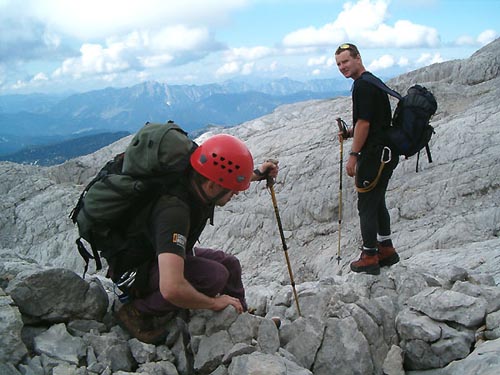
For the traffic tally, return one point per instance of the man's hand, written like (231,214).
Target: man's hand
(343,135)
(221,302)
(267,169)
(351,166)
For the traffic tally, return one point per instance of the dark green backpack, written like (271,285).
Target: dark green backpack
(156,157)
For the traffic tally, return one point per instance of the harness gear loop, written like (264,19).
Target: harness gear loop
(383,162)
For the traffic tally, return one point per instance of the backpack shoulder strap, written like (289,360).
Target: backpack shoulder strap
(381,85)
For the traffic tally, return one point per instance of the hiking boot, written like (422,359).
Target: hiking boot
(139,326)
(387,255)
(366,263)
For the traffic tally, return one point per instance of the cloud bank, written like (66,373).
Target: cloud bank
(57,42)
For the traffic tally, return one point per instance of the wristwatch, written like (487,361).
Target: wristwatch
(357,154)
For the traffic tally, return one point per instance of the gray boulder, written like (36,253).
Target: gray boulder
(12,348)
(448,305)
(58,295)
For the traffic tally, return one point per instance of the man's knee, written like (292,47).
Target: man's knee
(233,265)
(218,280)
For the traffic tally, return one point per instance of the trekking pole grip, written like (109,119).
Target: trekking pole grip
(342,128)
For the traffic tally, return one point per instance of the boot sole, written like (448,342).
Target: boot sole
(372,270)
(157,339)
(393,259)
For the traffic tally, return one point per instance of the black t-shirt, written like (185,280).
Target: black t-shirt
(371,104)
(176,223)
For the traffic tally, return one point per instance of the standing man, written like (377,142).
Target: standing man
(370,161)
(182,276)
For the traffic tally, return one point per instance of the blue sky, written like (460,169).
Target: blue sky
(72,45)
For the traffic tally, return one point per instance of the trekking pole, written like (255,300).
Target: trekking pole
(270,186)
(342,128)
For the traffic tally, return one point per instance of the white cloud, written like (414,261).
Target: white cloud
(94,59)
(311,36)
(155,61)
(403,61)
(383,62)
(92,19)
(314,61)
(143,76)
(388,61)
(109,77)
(248,53)
(190,78)
(19,85)
(112,36)
(486,37)
(404,34)
(128,40)
(243,60)
(247,68)
(428,59)
(331,61)
(51,39)
(178,38)
(363,15)
(235,67)
(364,24)
(40,77)
(139,50)
(228,68)
(465,40)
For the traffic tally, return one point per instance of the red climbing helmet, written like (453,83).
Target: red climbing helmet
(226,160)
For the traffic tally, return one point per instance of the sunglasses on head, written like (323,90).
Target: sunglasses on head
(347,47)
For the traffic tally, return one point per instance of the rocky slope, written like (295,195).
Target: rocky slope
(429,314)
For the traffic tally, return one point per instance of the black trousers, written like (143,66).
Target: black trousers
(373,214)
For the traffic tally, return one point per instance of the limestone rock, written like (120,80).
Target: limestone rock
(436,304)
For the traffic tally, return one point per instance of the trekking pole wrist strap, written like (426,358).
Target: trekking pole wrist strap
(259,174)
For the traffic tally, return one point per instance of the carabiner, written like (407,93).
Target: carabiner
(126,280)
(389,154)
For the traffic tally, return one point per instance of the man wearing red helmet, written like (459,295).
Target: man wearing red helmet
(184,276)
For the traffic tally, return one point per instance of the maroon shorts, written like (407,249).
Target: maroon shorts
(210,272)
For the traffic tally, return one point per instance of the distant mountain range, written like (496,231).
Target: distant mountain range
(59,152)
(44,119)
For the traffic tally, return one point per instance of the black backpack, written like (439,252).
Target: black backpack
(410,131)
(157,157)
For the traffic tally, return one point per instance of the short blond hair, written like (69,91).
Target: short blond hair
(353,50)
